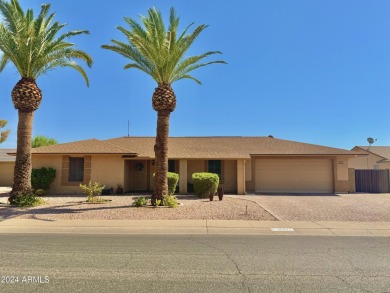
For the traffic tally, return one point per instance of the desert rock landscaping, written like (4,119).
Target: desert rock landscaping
(121,208)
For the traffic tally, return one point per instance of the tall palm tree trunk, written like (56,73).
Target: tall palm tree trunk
(22,171)
(161,154)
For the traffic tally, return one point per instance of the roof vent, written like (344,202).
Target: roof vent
(270,136)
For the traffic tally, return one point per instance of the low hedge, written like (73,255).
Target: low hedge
(205,183)
(42,178)
(173,179)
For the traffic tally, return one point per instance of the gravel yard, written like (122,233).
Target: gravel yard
(120,208)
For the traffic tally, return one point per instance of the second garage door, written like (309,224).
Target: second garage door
(294,175)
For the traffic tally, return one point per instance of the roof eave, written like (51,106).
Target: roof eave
(84,153)
(309,155)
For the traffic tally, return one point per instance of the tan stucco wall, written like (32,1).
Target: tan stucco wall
(195,166)
(108,170)
(341,177)
(55,162)
(367,162)
(229,182)
(6,173)
(241,188)
(249,175)
(352,182)
(183,170)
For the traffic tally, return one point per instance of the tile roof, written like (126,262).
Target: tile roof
(6,158)
(219,147)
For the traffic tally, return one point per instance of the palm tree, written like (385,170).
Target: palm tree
(35,47)
(160,53)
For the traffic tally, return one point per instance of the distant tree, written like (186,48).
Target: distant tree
(3,134)
(40,140)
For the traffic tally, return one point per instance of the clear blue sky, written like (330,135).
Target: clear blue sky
(309,71)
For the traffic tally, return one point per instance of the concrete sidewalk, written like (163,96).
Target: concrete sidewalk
(206,227)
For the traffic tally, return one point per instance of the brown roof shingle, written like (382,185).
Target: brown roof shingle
(194,147)
(4,157)
(225,147)
(90,146)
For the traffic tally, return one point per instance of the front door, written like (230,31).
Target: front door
(139,175)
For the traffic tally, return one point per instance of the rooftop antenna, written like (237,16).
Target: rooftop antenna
(370,142)
(128,128)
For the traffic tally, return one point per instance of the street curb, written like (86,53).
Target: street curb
(200,227)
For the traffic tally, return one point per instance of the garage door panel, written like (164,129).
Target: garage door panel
(294,175)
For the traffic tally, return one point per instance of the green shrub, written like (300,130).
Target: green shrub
(28,200)
(173,179)
(92,191)
(158,202)
(205,183)
(170,201)
(42,178)
(140,201)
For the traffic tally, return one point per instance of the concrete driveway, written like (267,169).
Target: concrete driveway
(329,207)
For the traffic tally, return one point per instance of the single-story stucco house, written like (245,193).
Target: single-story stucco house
(245,164)
(377,157)
(7,164)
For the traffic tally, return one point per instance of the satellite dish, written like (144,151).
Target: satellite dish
(370,142)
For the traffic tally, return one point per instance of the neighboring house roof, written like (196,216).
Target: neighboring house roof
(194,147)
(381,151)
(4,157)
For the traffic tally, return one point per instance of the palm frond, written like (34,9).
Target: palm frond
(3,62)
(183,74)
(31,44)
(158,52)
(191,77)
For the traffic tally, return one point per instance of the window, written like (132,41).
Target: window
(215,166)
(76,169)
(171,166)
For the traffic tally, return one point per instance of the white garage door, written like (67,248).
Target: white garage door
(294,175)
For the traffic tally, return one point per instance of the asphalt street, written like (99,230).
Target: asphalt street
(193,263)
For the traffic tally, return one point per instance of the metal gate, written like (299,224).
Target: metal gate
(373,181)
